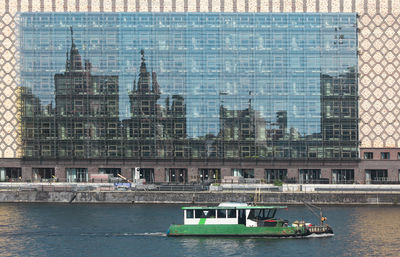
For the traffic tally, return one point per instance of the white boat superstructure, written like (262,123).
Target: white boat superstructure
(232,204)
(229,213)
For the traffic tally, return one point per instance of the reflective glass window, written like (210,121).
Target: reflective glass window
(192,85)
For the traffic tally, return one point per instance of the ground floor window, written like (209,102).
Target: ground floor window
(209,174)
(10,174)
(77,175)
(376,176)
(342,176)
(176,175)
(143,173)
(309,176)
(245,173)
(43,174)
(112,171)
(272,175)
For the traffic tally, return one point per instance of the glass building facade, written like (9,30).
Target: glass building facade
(190,86)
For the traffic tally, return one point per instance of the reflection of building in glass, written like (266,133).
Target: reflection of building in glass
(154,131)
(86,115)
(142,129)
(244,126)
(210,98)
(174,138)
(39,127)
(339,114)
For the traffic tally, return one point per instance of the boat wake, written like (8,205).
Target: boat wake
(161,234)
(319,235)
(309,236)
(150,234)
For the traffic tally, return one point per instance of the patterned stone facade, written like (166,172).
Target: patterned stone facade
(9,100)
(379,57)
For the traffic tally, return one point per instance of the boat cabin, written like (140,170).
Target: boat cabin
(250,216)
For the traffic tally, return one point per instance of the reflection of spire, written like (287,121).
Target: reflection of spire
(67,62)
(167,103)
(72,37)
(143,64)
(249,100)
(74,63)
(144,76)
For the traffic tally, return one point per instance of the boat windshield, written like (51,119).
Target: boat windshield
(261,214)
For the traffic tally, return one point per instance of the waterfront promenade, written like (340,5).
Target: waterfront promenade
(196,194)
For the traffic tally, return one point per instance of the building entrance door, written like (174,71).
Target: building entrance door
(175,175)
(77,175)
(309,176)
(209,175)
(145,173)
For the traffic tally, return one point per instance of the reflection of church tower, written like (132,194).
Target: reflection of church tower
(145,114)
(74,63)
(87,108)
(152,131)
(144,96)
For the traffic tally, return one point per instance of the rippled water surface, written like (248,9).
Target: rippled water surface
(139,230)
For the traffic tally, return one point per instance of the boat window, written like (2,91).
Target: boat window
(221,213)
(189,214)
(232,213)
(271,213)
(261,214)
(210,213)
(251,215)
(242,217)
(256,214)
(199,214)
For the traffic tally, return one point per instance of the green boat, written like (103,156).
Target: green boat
(239,219)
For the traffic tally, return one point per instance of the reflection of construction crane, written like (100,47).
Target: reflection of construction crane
(119,175)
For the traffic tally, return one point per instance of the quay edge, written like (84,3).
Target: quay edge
(159,197)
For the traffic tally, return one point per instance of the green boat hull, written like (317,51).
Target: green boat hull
(234,230)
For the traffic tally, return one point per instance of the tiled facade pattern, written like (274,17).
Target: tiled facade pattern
(379,57)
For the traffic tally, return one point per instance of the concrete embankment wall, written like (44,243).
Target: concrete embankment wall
(391,198)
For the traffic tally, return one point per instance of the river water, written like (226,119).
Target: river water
(139,230)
